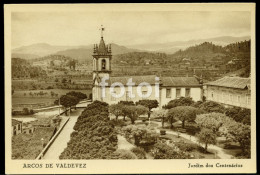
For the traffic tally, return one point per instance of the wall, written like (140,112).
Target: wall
(195,94)
(229,96)
(15,128)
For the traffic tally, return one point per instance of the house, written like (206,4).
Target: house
(230,91)
(17,127)
(28,128)
(134,88)
(176,87)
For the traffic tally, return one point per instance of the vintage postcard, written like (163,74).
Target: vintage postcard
(130,88)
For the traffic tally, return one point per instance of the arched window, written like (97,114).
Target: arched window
(103,64)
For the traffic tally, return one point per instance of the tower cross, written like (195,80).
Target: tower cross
(102,29)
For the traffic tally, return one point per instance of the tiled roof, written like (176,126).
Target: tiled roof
(165,81)
(15,122)
(232,82)
(179,81)
(135,79)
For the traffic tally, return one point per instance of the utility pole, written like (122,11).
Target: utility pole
(59,106)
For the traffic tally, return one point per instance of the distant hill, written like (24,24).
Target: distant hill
(39,50)
(85,52)
(75,52)
(172,47)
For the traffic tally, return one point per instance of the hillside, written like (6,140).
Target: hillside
(210,51)
(205,59)
(23,69)
(172,47)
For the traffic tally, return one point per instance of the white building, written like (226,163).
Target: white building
(163,89)
(230,91)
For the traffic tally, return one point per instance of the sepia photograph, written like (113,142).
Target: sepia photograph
(95,82)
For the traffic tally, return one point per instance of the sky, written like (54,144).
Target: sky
(124,28)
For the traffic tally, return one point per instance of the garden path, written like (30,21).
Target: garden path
(123,143)
(219,151)
(61,141)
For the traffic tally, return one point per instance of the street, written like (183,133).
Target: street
(61,141)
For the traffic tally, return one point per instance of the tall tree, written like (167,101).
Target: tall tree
(150,104)
(133,112)
(212,121)
(162,113)
(182,113)
(67,101)
(116,109)
(125,106)
(206,136)
(240,133)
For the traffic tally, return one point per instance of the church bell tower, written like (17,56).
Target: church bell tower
(102,56)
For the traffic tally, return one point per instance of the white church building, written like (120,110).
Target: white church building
(134,88)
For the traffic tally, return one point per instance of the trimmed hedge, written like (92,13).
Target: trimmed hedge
(94,136)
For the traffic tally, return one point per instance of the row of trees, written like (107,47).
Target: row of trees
(241,115)
(133,110)
(213,120)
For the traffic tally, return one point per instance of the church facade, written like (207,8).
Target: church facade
(134,88)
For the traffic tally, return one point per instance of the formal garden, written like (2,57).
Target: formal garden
(183,129)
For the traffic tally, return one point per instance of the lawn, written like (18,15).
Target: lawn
(232,149)
(19,98)
(29,146)
(31,100)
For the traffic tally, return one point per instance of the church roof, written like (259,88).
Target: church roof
(164,81)
(135,79)
(179,81)
(232,82)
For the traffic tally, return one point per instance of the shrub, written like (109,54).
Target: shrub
(142,136)
(27,111)
(119,123)
(239,114)
(79,95)
(192,129)
(162,132)
(186,146)
(210,106)
(139,152)
(163,151)
(183,101)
